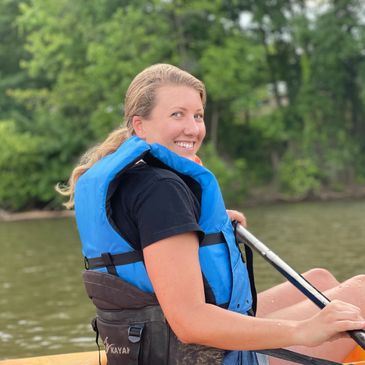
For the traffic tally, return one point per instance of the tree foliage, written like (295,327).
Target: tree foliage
(285,85)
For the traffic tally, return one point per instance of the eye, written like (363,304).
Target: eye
(199,117)
(177,114)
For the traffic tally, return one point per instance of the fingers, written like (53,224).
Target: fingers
(343,316)
(235,215)
(345,309)
(332,322)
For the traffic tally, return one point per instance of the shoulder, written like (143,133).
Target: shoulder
(158,173)
(145,177)
(156,202)
(143,183)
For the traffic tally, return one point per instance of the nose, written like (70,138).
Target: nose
(191,126)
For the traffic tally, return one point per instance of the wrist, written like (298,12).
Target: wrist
(299,334)
(290,333)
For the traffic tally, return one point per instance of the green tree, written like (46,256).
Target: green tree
(11,53)
(19,156)
(331,106)
(285,88)
(87,54)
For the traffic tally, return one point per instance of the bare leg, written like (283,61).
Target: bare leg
(285,294)
(352,291)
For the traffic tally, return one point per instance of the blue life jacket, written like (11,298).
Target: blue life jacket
(220,259)
(224,272)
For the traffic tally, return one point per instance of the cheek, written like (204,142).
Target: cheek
(202,131)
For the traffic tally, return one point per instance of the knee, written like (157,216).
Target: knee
(357,281)
(352,291)
(321,278)
(320,274)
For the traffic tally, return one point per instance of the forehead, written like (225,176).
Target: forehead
(178,95)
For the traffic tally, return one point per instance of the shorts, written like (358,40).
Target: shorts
(245,358)
(262,359)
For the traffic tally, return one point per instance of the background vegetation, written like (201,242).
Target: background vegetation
(285,81)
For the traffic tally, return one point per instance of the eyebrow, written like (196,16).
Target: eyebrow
(183,108)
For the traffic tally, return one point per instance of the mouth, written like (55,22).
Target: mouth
(185,145)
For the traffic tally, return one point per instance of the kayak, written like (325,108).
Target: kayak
(77,358)
(357,356)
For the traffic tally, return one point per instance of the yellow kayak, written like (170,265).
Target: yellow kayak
(357,356)
(77,358)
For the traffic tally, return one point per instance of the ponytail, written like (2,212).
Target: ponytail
(96,153)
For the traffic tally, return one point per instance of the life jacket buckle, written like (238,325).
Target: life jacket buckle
(135,332)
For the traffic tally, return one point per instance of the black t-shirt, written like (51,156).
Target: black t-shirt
(152,203)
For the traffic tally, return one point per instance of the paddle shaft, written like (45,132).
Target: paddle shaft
(296,279)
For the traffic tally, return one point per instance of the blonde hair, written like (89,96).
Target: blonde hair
(140,100)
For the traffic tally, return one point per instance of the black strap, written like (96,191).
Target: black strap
(297,357)
(249,265)
(212,239)
(108,260)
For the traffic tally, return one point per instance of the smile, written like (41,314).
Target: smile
(187,145)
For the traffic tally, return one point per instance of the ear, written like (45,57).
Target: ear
(137,123)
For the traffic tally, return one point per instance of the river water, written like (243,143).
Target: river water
(43,305)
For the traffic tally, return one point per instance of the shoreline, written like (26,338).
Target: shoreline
(257,199)
(268,196)
(34,214)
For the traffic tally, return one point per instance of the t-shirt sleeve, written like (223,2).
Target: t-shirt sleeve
(165,209)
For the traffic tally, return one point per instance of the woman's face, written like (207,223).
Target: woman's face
(176,122)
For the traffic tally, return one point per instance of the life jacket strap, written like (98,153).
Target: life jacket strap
(250,270)
(212,239)
(110,261)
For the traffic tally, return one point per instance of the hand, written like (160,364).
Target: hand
(235,215)
(330,323)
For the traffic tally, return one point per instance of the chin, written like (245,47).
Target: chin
(187,155)
(190,157)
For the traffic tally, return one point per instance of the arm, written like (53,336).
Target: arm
(174,270)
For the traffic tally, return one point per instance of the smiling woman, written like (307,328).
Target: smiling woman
(164,268)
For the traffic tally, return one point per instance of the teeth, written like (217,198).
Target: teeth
(185,144)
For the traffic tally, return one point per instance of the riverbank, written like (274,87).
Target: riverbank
(261,196)
(34,214)
(267,195)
